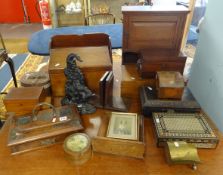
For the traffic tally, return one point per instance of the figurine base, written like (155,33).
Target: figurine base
(86,108)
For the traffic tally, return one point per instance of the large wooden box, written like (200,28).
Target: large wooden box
(169,85)
(47,127)
(129,148)
(152,61)
(22,100)
(152,27)
(150,102)
(94,50)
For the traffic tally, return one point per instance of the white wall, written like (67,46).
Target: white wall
(164,2)
(206,80)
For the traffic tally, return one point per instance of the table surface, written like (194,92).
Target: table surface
(52,160)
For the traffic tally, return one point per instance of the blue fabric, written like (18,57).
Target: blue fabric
(192,35)
(5,73)
(39,42)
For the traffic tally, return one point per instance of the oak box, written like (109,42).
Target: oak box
(93,49)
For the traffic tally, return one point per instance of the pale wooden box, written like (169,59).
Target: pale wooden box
(131,82)
(169,84)
(121,147)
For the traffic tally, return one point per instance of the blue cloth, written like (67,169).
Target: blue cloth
(40,41)
(5,73)
(192,35)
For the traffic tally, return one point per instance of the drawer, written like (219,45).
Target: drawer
(148,70)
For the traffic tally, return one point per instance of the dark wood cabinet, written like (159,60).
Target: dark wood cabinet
(152,27)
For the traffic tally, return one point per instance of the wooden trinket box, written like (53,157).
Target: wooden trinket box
(195,128)
(93,49)
(22,100)
(42,129)
(169,85)
(152,61)
(122,147)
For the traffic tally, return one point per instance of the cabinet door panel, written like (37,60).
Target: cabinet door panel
(152,34)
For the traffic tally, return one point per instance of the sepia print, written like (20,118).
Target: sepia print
(123,126)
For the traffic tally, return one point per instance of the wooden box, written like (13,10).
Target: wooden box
(129,148)
(194,128)
(152,27)
(94,50)
(131,82)
(150,103)
(152,61)
(169,85)
(22,100)
(42,129)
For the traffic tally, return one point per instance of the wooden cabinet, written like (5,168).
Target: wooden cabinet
(152,27)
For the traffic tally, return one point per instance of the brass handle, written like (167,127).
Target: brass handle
(42,104)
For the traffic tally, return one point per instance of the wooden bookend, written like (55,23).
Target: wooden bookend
(114,102)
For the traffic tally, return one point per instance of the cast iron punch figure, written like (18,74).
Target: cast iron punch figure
(76,92)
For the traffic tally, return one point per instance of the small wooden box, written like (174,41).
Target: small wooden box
(22,100)
(169,85)
(155,60)
(131,82)
(129,148)
(93,49)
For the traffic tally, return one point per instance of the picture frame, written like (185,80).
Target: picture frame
(123,126)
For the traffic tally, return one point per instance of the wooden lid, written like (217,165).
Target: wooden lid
(170,79)
(24,93)
(156,8)
(94,58)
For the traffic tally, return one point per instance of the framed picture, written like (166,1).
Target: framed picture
(123,126)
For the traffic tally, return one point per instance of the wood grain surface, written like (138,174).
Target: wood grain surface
(52,160)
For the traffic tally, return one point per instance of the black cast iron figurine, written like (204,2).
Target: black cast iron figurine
(76,92)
